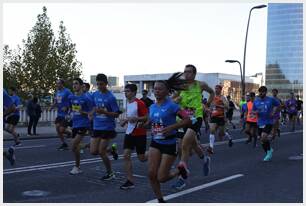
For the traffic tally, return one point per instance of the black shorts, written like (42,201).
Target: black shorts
(13,120)
(292,115)
(104,134)
(217,120)
(140,142)
(196,127)
(229,115)
(267,129)
(169,149)
(63,122)
(80,130)
(252,124)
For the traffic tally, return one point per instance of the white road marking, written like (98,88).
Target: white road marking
(27,147)
(200,187)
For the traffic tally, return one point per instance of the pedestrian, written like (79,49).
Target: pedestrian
(251,121)
(230,111)
(34,112)
(276,117)
(299,109)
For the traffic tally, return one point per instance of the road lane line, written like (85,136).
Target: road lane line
(200,187)
(27,147)
(53,165)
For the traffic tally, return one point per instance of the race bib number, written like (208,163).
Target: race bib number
(156,131)
(76,109)
(59,99)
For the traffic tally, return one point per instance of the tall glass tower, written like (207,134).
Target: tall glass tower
(284,62)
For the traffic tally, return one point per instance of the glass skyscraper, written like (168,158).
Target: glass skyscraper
(284,62)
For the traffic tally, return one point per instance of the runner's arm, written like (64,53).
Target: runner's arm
(205,87)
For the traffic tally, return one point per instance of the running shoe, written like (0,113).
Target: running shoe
(11,155)
(64,146)
(127,185)
(108,176)
(17,144)
(75,170)
(210,150)
(182,167)
(114,151)
(230,143)
(206,166)
(180,184)
(268,156)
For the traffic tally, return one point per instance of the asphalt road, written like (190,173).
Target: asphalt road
(41,174)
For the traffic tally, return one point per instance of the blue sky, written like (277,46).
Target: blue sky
(143,38)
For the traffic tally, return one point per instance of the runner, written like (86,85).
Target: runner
(299,109)
(190,100)
(230,111)
(217,119)
(251,121)
(148,102)
(265,107)
(8,108)
(276,117)
(80,106)
(206,114)
(86,90)
(13,118)
(291,107)
(162,151)
(242,106)
(105,110)
(61,101)
(136,135)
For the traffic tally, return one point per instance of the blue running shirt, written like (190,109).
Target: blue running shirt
(61,99)
(78,103)
(107,101)
(264,109)
(17,102)
(163,116)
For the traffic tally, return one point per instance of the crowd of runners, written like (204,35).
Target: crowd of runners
(174,120)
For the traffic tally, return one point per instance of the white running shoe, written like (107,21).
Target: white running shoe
(75,170)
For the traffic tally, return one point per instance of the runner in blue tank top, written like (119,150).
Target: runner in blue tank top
(291,107)
(265,107)
(162,151)
(80,106)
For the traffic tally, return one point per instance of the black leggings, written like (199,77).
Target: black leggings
(33,122)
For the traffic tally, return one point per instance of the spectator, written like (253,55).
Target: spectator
(34,113)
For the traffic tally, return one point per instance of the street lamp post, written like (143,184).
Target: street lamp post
(245,43)
(241,75)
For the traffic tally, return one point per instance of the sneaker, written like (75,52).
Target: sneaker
(179,185)
(64,146)
(210,150)
(75,170)
(206,166)
(114,151)
(230,143)
(11,155)
(127,185)
(268,156)
(108,176)
(17,144)
(182,167)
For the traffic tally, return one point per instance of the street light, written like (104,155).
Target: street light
(241,76)
(245,44)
